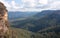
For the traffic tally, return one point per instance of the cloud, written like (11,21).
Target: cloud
(32,5)
(6,3)
(29,3)
(37,5)
(11,6)
(52,5)
(55,5)
(43,2)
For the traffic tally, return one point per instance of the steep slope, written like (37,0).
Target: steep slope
(51,29)
(20,33)
(51,32)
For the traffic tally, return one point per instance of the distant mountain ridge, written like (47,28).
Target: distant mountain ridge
(17,14)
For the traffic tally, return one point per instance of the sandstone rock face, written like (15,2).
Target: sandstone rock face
(5,31)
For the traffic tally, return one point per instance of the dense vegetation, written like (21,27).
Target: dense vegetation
(45,24)
(39,21)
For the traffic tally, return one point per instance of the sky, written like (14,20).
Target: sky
(31,5)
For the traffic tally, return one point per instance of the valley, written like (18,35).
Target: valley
(44,24)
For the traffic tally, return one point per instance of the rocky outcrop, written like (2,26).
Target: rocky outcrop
(5,31)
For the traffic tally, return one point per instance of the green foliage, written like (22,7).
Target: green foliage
(45,26)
